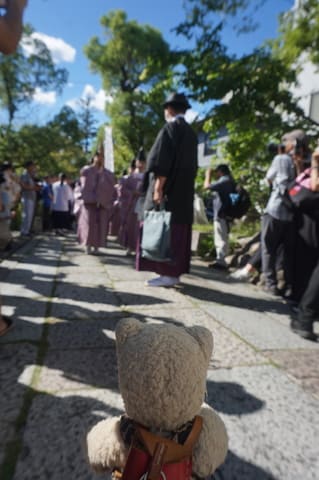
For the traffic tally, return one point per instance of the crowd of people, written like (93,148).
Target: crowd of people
(289,238)
(98,204)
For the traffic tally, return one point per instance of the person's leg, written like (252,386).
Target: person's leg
(221,240)
(24,217)
(28,206)
(271,233)
(288,254)
(308,308)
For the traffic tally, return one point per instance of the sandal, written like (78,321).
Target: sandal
(9,324)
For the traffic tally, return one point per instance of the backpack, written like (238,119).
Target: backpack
(239,203)
(156,458)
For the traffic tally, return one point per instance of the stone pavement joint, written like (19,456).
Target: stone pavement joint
(58,371)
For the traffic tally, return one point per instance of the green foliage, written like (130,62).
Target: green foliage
(250,95)
(22,74)
(299,33)
(53,147)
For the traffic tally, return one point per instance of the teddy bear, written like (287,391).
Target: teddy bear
(162,379)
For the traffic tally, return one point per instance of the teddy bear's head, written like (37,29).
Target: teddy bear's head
(162,371)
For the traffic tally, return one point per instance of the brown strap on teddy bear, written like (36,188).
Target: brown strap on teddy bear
(164,451)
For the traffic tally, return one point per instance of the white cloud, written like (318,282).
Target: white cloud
(191,115)
(98,99)
(45,98)
(60,50)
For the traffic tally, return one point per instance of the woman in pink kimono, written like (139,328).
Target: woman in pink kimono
(98,194)
(130,189)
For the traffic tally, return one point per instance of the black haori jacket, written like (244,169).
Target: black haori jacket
(174,155)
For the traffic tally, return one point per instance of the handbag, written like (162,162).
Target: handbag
(156,235)
(301,195)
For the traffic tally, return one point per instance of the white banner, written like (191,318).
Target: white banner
(108,149)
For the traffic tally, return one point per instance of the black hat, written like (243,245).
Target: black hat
(177,99)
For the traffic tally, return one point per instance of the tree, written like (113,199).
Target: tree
(21,74)
(135,64)
(250,95)
(300,33)
(54,147)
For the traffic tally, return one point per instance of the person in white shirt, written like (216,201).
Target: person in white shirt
(61,205)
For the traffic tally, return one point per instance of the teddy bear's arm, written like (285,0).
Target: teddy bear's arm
(211,448)
(105,447)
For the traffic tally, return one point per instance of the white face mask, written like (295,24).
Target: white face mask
(168,117)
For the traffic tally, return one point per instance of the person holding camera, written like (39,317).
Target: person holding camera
(277,223)
(308,311)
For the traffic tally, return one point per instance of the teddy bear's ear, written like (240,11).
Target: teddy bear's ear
(205,339)
(127,327)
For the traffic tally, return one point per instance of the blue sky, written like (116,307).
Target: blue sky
(68,25)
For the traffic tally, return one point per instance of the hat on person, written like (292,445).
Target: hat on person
(223,168)
(177,99)
(29,163)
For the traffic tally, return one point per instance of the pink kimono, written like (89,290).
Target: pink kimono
(98,194)
(129,224)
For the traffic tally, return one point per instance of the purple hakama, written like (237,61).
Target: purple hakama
(129,224)
(181,237)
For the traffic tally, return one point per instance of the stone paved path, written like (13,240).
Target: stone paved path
(58,373)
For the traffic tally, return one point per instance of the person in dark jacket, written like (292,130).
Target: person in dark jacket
(221,188)
(308,312)
(170,178)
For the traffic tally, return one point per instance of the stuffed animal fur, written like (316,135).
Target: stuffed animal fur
(162,379)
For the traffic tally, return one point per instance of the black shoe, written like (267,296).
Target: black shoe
(218,266)
(271,290)
(303,329)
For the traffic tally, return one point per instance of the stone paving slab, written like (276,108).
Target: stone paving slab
(256,328)
(228,351)
(270,423)
(253,380)
(26,329)
(86,334)
(76,369)
(15,374)
(98,278)
(21,305)
(81,259)
(136,293)
(54,439)
(32,289)
(91,293)
(82,310)
(302,365)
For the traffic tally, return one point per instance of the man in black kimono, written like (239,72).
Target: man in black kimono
(171,172)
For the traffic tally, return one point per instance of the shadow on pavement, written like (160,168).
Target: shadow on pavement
(231,398)
(236,468)
(238,301)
